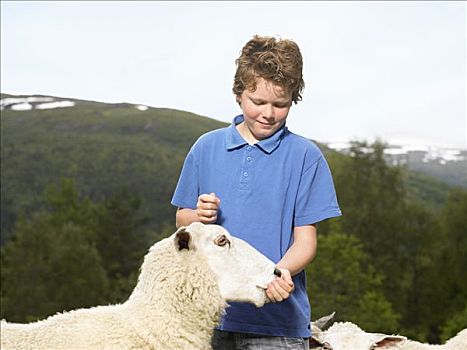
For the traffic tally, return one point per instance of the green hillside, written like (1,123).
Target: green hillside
(103,147)
(106,147)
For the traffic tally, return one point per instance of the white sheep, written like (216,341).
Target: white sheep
(182,290)
(348,336)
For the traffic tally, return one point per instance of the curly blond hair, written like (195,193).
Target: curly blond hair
(275,60)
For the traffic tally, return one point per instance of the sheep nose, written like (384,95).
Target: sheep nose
(277,272)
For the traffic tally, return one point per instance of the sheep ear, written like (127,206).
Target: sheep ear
(321,322)
(183,239)
(388,341)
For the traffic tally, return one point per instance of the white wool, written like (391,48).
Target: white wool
(175,305)
(348,336)
(459,342)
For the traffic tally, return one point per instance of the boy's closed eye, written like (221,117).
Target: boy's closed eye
(276,104)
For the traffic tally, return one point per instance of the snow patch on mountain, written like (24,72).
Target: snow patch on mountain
(142,107)
(33,102)
(56,104)
(25,106)
(404,153)
(27,103)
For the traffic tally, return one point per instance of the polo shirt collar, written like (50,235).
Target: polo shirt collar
(235,140)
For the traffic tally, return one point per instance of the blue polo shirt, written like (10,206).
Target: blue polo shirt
(266,190)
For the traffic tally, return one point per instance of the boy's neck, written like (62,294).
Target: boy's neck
(246,134)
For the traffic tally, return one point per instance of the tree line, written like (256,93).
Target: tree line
(73,253)
(392,262)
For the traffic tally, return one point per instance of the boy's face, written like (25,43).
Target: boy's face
(265,110)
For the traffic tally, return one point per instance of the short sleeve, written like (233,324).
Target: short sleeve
(316,197)
(186,192)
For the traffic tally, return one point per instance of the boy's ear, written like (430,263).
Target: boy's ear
(183,239)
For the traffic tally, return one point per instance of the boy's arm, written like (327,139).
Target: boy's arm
(185,216)
(302,251)
(298,256)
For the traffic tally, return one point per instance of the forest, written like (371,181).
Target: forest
(86,190)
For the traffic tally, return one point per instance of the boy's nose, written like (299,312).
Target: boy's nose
(268,112)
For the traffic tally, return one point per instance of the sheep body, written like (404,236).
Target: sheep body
(176,304)
(348,336)
(459,342)
(75,330)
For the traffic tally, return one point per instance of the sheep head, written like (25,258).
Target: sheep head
(242,273)
(348,336)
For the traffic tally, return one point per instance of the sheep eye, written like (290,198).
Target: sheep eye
(221,241)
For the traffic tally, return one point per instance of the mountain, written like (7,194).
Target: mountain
(103,147)
(448,165)
(106,147)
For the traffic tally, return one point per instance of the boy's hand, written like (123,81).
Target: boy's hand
(281,288)
(207,208)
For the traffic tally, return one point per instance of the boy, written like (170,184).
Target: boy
(265,185)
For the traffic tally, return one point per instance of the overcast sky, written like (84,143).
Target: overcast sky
(394,70)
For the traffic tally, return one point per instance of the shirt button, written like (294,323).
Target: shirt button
(245,174)
(248,148)
(248,159)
